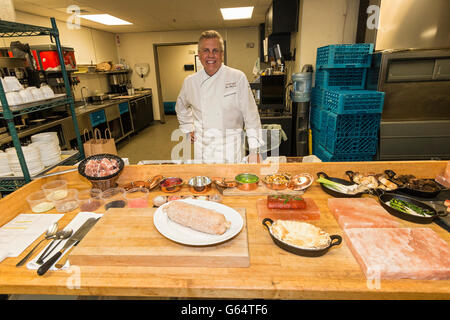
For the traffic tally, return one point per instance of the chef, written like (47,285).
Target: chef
(215,105)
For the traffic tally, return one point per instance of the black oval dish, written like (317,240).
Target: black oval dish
(413,192)
(299,251)
(82,166)
(335,193)
(386,197)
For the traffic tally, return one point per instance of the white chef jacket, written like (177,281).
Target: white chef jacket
(217,108)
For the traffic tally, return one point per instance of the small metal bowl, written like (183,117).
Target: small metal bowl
(242,183)
(301,181)
(223,183)
(276,185)
(199,184)
(171,184)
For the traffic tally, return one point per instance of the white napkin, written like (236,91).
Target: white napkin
(74,225)
(18,234)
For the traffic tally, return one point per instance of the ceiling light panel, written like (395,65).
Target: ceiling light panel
(236,13)
(105,19)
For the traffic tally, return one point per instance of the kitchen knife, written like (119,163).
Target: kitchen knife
(77,236)
(63,260)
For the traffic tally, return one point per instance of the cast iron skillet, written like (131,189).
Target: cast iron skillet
(335,193)
(385,197)
(413,192)
(297,250)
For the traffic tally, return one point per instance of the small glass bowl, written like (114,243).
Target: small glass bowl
(39,203)
(137,198)
(69,202)
(114,198)
(55,190)
(90,200)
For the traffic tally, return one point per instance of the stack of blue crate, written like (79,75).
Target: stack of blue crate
(345,118)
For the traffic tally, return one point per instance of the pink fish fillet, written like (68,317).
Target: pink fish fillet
(400,253)
(197,218)
(360,213)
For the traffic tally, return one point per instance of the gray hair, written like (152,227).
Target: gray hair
(211,34)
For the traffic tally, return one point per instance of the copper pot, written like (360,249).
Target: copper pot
(199,184)
(171,184)
(276,181)
(247,181)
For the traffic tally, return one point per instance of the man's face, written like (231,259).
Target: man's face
(211,56)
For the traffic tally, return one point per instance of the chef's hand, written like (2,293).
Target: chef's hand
(254,158)
(192,136)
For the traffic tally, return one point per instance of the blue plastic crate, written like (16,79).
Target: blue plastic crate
(169,107)
(353,101)
(317,95)
(345,56)
(315,139)
(323,120)
(352,145)
(315,117)
(326,156)
(353,125)
(341,79)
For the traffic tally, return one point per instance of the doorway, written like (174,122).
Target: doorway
(173,63)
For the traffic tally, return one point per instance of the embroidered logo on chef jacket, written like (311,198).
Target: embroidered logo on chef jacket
(230,85)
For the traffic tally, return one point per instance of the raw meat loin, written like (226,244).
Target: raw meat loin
(101,168)
(400,253)
(197,218)
(311,212)
(360,213)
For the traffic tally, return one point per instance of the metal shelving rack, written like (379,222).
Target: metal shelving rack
(13,29)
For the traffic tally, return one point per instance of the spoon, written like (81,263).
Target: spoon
(60,235)
(49,234)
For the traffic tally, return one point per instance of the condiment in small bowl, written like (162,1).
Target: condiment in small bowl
(199,184)
(224,183)
(278,181)
(171,184)
(301,181)
(247,181)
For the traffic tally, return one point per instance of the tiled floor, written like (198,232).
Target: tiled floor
(152,143)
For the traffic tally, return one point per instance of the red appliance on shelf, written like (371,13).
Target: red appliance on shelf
(46,57)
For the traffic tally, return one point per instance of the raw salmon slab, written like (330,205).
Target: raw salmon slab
(360,213)
(400,253)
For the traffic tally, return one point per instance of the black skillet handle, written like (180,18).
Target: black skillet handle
(336,237)
(350,175)
(322,174)
(391,174)
(265,224)
(442,213)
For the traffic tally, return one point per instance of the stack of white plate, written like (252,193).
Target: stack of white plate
(5,170)
(32,158)
(48,145)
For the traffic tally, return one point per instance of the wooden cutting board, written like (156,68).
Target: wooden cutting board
(311,212)
(128,237)
(262,190)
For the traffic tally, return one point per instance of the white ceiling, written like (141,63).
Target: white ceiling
(151,15)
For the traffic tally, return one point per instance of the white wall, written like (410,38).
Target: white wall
(324,22)
(171,61)
(138,47)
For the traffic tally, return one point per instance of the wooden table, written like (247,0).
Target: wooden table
(273,273)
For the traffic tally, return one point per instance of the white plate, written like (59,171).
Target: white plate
(184,235)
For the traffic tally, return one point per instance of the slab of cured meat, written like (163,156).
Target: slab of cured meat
(360,213)
(400,253)
(311,212)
